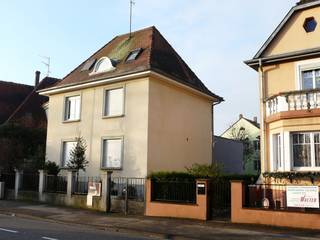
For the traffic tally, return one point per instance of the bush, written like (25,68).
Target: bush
(51,167)
(205,170)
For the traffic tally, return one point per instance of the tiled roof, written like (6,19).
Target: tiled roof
(11,96)
(157,55)
(30,111)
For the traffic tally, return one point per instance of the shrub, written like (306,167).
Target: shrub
(51,167)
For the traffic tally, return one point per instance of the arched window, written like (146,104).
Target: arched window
(104,64)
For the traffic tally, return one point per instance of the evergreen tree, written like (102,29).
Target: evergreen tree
(78,159)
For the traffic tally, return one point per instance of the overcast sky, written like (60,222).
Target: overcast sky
(212,36)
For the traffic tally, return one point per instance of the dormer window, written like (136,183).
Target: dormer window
(104,64)
(310,24)
(133,55)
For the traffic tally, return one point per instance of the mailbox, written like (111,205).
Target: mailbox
(201,188)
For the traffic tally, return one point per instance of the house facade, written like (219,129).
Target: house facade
(137,105)
(289,79)
(246,131)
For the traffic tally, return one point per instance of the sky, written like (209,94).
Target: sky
(214,37)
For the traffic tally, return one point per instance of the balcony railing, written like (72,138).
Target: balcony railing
(291,101)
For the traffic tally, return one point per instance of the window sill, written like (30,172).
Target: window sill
(111,169)
(71,121)
(114,116)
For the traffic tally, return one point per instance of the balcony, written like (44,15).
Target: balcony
(293,104)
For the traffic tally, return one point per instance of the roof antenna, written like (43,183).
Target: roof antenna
(47,63)
(132,2)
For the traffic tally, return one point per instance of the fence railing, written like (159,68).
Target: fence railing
(173,191)
(220,197)
(80,184)
(9,179)
(30,182)
(269,196)
(55,184)
(134,186)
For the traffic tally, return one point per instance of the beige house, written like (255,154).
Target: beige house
(138,106)
(248,132)
(289,77)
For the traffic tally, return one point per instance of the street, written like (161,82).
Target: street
(19,228)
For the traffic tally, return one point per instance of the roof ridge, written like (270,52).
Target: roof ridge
(15,83)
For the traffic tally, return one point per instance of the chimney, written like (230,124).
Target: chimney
(255,119)
(240,116)
(37,79)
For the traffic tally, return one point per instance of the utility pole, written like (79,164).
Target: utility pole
(131,5)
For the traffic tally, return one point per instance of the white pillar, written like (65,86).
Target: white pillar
(70,177)
(42,179)
(17,183)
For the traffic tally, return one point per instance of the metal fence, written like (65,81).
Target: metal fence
(220,197)
(9,179)
(135,188)
(55,184)
(80,184)
(173,191)
(30,182)
(269,196)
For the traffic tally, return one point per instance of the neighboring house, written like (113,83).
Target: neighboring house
(247,131)
(289,68)
(229,154)
(138,106)
(32,111)
(21,104)
(11,96)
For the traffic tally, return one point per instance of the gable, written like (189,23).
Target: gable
(251,129)
(293,37)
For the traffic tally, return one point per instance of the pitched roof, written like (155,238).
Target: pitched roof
(302,5)
(11,96)
(32,105)
(254,123)
(157,55)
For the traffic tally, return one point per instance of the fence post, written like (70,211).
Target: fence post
(17,183)
(126,198)
(70,177)
(42,179)
(108,189)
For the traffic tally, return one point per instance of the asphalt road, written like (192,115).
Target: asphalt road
(19,228)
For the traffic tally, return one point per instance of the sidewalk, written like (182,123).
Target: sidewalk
(159,227)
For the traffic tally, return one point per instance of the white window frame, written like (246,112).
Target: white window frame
(278,163)
(102,153)
(66,108)
(105,102)
(313,164)
(63,162)
(306,65)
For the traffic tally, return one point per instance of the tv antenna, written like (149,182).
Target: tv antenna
(132,2)
(46,62)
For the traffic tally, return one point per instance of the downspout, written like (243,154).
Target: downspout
(212,130)
(262,89)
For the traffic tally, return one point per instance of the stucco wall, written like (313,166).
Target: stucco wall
(133,127)
(293,37)
(180,128)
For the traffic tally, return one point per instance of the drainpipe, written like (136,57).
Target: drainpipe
(212,130)
(263,139)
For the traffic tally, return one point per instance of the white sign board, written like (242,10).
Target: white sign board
(303,196)
(94,189)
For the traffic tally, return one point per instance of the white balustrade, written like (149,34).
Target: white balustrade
(300,100)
